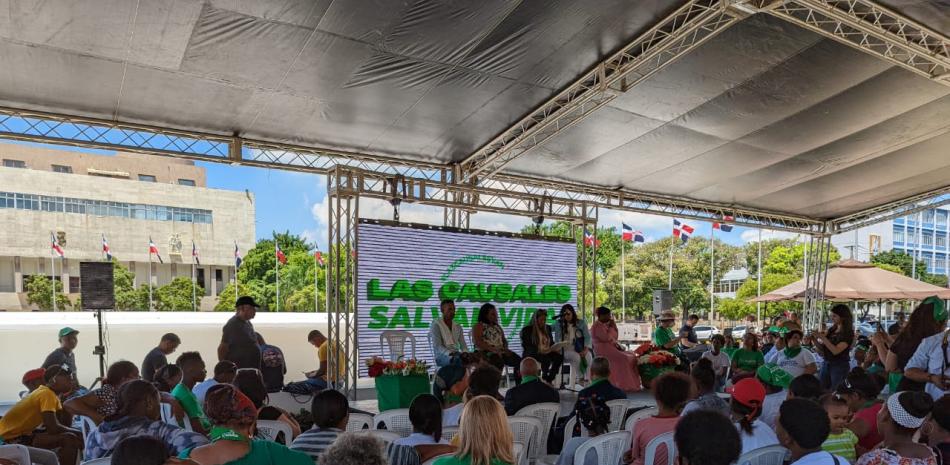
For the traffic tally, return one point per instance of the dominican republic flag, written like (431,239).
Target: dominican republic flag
(153,249)
(630,235)
(194,253)
(682,230)
(723,226)
(237,256)
(319,256)
(279,253)
(105,248)
(589,239)
(55,245)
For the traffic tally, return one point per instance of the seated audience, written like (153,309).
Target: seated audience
(746,406)
(537,340)
(600,386)
(101,403)
(32,380)
(233,416)
(929,319)
(167,377)
(140,450)
(251,384)
(776,381)
(841,441)
(704,378)
(43,408)
(574,331)
(446,336)
(64,356)
(155,359)
(861,393)
(623,364)
(484,436)
(937,430)
(355,449)
(802,427)
(531,390)
(671,391)
(139,413)
(451,381)
(719,359)
(794,358)
(489,340)
(900,418)
(594,416)
(193,371)
(322,377)
(273,365)
(747,359)
(484,381)
(331,411)
(426,441)
(224,372)
(805,387)
(706,438)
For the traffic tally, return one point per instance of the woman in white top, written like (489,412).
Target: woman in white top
(425,414)
(575,332)
(795,359)
(746,405)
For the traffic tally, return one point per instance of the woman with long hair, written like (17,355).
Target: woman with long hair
(623,364)
(860,391)
(574,332)
(748,396)
(484,436)
(537,340)
(426,440)
(250,382)
(234,418)
(835,347)
(899,419)
(929,318)
(101,403)
(490,341)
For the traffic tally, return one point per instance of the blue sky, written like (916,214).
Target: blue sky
(296,202)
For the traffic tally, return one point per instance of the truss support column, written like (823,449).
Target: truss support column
(587,258)
(343,239)
(455,217)
(818,251)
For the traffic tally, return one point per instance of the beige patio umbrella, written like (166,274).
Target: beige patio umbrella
(854,280)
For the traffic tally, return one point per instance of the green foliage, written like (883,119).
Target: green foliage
(791,260)
(735,309)
(751,252)
(890,267)
(127,297)
(770,282)
(176,296)
(903,262)
(39,292)
(935,279)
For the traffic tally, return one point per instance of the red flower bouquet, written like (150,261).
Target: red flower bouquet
(408,367)
(653,362)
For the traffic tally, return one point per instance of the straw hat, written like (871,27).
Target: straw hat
(666,315)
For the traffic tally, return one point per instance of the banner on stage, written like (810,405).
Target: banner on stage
(404,273)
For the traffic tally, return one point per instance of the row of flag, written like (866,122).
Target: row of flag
(681,230)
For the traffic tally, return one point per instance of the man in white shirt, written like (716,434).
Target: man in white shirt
(802,426)
(446,336)
(224,373)
(930,362)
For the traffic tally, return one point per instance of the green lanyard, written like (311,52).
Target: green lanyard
(220,433)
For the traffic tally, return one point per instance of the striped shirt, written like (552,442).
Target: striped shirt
(316,441)
(841,444)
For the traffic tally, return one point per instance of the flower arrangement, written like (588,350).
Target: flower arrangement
(408,367)
(653,361)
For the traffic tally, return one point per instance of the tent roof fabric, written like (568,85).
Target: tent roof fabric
(765,115)
(854,280)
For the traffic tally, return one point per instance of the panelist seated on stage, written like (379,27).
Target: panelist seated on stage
(446,336)
(490,343)
(538,342)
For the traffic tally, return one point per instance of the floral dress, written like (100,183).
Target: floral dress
(889,457)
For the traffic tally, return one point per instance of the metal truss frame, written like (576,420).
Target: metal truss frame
(818,253)
(891,210)
(343,236)
(588,265)
(676,35)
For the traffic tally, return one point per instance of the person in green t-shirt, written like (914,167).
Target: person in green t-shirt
(192,372)
(663,336)
(747,359)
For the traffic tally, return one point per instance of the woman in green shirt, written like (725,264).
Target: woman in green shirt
(234,418)
(484,437)
(747,359)
(663,336)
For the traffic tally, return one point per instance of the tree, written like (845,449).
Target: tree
(127,297)
(608,252)
(890,267)
(770,282)
(176,296)
(751,252)
(897,259)
(39,292)
(735,309)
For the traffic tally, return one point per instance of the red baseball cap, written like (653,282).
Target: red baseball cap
(749,392)
(33,375)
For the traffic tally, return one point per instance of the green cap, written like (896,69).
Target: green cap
(67,331)
(940,310)
(778,330)
(770,373)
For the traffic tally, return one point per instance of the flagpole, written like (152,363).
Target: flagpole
(623,280)
(150,274)
(277,274)
(52,272)
(712,273)
(194,292)
(758,292)
(316,286)
(670,284)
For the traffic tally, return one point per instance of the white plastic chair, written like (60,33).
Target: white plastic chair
(86,426)
(16,452)
(637,416)
(271,429)
(395,341)
(359,421)
(526,431)
(517,450)
(609,448)
(649,454)
(387,437)
(395,420)
(618,408)
(768,455)
(547,413)
(569,430)
(100,461)
(449,432)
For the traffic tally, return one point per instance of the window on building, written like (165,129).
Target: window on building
(874,243)
(911,237)
(146,178)
(62,169)
(899,235)
(186,182)
(942,219)
(928,239)
(103,208)
(941,241)
(74,284)
(929,216)
(14,163)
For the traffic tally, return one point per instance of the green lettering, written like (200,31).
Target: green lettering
(449,290)
(461,317)
(520,294)
(506,315)
(470,293)
(503,292)
(402,290)
(400,319)
(486,292)
(417,318)
(377,316)
(422,290)
(373,292)
(563,294)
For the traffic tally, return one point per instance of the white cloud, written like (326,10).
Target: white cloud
(752,235)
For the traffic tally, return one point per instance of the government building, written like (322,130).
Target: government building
(126,198)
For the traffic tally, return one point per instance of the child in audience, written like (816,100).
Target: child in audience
(140,450)
(706,438)
(802,427)
(671,391)
(748,396)
(841,441)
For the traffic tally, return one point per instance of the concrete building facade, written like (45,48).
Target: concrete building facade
(126,198)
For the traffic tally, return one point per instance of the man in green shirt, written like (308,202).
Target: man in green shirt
(663,336)
(192,372)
